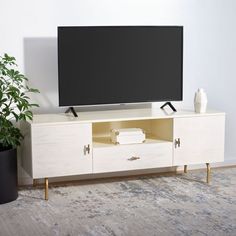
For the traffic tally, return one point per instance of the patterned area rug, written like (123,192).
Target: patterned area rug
(181,204)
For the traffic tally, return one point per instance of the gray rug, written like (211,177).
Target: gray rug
(171,204)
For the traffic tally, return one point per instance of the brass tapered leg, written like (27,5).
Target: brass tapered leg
(46,188)
(185,168)
(208,173)
(35,182)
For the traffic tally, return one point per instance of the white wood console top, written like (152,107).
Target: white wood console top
(115,115)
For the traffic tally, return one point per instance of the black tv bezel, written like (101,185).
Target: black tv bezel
(117,103)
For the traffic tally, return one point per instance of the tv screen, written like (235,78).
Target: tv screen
(119,64)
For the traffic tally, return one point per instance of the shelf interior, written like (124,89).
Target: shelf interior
(156,130)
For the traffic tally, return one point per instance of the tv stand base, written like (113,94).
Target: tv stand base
(71,109)
(170,105)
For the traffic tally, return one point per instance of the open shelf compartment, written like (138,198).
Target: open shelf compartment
(156,130)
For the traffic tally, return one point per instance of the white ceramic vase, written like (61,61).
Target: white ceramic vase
(200,101)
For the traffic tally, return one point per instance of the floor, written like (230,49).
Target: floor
(181,204)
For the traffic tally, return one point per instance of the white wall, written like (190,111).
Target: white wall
(28,30)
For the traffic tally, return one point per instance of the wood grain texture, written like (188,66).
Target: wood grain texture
(118,157)
(59,150)
(201,140)
(114,115)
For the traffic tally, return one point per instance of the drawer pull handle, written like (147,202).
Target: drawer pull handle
(86,149)
(177,142)
(133,158)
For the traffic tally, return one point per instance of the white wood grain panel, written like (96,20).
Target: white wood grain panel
(59,150)
(114,115)
(116,158)
(201,140)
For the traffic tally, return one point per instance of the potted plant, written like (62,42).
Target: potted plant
(15,106)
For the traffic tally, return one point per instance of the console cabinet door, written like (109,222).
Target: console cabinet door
(59,150)
(198,140)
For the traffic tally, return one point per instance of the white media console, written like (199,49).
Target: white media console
(62,145)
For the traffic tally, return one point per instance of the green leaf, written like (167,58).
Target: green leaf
(14,102)
(33,90)
(3,100)
(15,115)
(34,105)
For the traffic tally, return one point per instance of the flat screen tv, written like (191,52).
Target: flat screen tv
(119,64)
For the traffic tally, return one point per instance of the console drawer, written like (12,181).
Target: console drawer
(132,157)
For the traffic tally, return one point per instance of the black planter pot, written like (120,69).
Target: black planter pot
(8,176)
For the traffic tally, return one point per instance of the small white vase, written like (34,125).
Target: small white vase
(200,101)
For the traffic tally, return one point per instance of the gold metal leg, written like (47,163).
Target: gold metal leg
(185,168)
(208,173)
(46,188)
(35,182)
